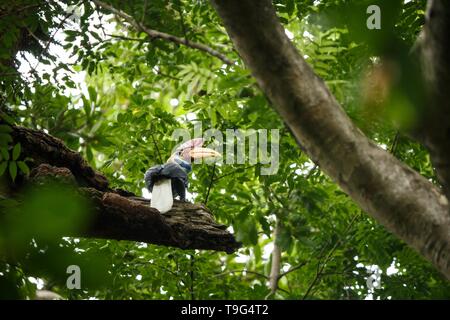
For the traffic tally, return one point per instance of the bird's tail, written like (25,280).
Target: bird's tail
(162,196)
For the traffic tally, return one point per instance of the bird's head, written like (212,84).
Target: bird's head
(192,150)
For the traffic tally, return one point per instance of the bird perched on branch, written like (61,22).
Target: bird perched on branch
(169,180)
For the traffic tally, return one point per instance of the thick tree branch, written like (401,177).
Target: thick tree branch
(398,197)
(434,49)
(155,34)
(186,225)
(43,148)
(118,214)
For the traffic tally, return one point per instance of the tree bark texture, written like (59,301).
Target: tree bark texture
(434,51)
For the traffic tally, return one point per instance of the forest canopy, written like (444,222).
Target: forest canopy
(92,92)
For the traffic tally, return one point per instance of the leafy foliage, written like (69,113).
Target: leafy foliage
(118,97)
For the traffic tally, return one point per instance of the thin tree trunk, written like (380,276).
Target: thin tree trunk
(276,260)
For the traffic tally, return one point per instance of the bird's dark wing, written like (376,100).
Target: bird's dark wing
(165,171)
(152,176)
(174,170)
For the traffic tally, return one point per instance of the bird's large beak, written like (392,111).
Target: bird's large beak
(204,153)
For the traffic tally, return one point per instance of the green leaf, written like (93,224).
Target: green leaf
(89,154)
(3,166)
(5,153)
(96,36)
(13,170)
(283,20)
(91,68)
(92,93)
(7,118)
(87,107)
(5,138)
(4,128)
(71,32)
(253,234)
(23,167)
(16,151)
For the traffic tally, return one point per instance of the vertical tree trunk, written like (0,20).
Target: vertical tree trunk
(276,260)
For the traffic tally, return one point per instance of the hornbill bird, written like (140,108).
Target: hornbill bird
(166,181)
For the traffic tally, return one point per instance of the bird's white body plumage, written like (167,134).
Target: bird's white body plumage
(162,196)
